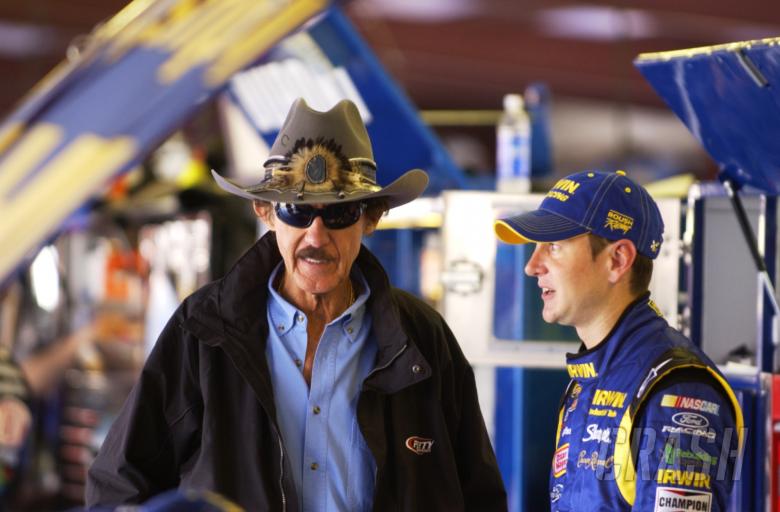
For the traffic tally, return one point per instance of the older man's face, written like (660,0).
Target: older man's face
(318,259)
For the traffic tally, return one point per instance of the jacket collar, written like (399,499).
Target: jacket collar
(233,316)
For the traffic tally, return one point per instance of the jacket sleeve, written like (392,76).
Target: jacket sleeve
(483,487)
(481,482)
(157,429)
(688,449)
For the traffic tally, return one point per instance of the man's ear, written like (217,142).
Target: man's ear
(264,211)
(369,225)
(621,257)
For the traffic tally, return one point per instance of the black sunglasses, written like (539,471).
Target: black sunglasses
(334,216)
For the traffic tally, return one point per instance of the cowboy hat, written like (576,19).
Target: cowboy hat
(324,157)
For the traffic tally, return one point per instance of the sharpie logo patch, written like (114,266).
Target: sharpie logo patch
(419,445)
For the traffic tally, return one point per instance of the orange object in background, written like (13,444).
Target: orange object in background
(123,271)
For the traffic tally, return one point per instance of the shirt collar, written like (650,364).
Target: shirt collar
(355,314)
(284,315)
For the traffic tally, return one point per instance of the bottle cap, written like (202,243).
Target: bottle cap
(513,102)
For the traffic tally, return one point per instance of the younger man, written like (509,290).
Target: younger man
(647,421)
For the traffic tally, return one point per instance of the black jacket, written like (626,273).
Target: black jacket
(202,415)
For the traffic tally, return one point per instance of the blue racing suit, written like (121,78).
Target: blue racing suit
(647,423)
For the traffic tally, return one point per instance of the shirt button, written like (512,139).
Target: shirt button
(280,327)
(350,330)
(299,317)
(314,466)
(316,409)
(416,368)
(298,363)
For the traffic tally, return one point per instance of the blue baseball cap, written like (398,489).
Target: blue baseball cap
(609,205)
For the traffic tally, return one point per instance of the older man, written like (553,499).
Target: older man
(647,421)
(302,380)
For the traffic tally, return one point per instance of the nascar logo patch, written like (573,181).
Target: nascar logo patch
(687,402)
(669,499)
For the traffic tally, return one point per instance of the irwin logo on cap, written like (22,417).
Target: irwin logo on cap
(616,220)
(562,189)
(419,445)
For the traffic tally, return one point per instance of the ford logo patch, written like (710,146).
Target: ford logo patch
(690,419)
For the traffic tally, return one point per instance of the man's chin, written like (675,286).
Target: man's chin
(314,284)
(549,317)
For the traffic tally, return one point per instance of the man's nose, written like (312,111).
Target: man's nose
(317,233)
(535,266)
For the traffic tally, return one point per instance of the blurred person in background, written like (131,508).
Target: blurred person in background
(302,380)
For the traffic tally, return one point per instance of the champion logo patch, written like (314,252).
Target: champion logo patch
(670,499)
(419,445)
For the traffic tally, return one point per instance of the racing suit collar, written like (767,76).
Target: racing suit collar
(589,363)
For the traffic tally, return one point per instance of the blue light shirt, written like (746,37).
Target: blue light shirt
(332,467)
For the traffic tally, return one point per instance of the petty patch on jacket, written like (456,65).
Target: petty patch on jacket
(419,445)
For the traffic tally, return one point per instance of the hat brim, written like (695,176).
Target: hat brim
(537,226)
(406,188)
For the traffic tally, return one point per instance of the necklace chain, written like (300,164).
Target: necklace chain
(351,293)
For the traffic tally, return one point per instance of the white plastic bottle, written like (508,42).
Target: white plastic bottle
(513,147)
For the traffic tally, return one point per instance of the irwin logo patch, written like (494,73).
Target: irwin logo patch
(582,370)
(419,445)
(607,398)
(684,478)
(618,221)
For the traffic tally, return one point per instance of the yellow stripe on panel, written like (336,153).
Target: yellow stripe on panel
(56,190)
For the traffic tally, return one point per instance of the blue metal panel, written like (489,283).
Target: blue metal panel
(399,251)
(509,308)
(695,277)
(727,96)
(509,433)
(525,424)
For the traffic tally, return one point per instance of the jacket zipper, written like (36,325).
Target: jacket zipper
(376,469)
(386,364)
(281,472)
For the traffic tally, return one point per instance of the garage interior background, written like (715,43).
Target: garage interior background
(464,55)
(456,59)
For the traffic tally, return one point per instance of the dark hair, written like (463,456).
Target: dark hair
(376,207)
(641,269)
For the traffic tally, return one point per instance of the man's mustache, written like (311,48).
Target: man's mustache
(313,253)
